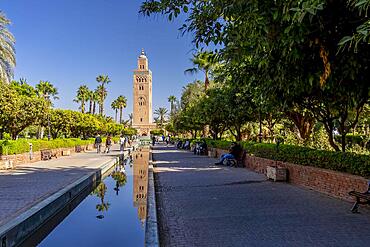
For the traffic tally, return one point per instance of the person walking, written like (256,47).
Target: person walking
(98,142)
(122,142)
(108,144)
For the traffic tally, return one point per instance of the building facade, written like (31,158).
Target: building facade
(142,87)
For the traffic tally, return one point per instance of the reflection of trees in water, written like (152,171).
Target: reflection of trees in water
(120,178)
(100,191)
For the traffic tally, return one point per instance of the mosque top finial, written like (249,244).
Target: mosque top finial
(142,55)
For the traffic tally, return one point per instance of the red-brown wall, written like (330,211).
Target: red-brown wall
(336,184)
(36,156)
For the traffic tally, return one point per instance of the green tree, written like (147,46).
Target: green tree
(23,88)
(17,112)
(115,107)
(122,103)
(95,100)
(82,97)
(46,90)
(161,113)
(103,80)
(205,62)
(61,121)
(101,93)
(172,100)
(100,192)
(7,50)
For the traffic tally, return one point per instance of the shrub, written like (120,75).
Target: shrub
(356,164)
(22,145)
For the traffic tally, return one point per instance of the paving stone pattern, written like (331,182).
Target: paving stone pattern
(200,204)
(23,187)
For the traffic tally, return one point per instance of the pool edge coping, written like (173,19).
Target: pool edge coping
(151,225)
(15,231)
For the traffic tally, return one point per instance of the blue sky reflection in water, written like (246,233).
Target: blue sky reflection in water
(121,225)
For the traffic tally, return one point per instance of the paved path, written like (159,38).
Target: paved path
(200,204)
(23,187)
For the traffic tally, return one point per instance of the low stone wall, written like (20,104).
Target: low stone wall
(336,184)
(17,159)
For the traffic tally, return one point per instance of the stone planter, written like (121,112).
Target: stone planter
(6,164)
(66,153)
(276,173)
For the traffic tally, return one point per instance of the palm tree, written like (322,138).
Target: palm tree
(7,50)
(114,106)
(122,103)
(82,96)
(102,79)
(101,93)
(172,100)
(95,99)
(161,115)
(204,61)
(46,89)
(100,191)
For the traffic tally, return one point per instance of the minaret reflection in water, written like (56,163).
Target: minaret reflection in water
(140,183)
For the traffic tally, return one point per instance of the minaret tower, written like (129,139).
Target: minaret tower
(142,112)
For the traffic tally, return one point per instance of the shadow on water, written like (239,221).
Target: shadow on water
(111,212)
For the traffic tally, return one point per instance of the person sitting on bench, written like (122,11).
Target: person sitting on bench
(234,152)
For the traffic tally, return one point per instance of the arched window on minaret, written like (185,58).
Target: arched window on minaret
(141,101)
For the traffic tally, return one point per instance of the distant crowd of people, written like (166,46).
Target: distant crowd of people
(123,142)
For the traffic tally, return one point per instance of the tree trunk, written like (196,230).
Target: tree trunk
(120,115)
(91,105)
(303,123)
(83,107)
(206,81)
(329,131)
(115,119)
(94,108)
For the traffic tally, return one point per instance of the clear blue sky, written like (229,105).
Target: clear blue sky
(70,42)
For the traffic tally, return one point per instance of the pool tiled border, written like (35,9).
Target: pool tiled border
(151,227)
(20,228)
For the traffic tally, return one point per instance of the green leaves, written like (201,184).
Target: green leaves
(347,162)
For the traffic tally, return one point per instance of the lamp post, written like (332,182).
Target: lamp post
(47,96)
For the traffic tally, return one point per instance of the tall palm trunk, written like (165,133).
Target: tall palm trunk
(101,109)
(82,106)
(115,119)
(94,107)
(120,115)
(91,106)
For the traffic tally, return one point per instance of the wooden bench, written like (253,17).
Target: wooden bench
(47,154)
(78,149)
(361,198)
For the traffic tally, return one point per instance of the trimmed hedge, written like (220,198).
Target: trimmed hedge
(352,163)
(22,145)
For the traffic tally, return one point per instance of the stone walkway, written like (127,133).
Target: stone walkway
(200,204)
(29,184)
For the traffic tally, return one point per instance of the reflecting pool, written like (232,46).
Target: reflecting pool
(112,214)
